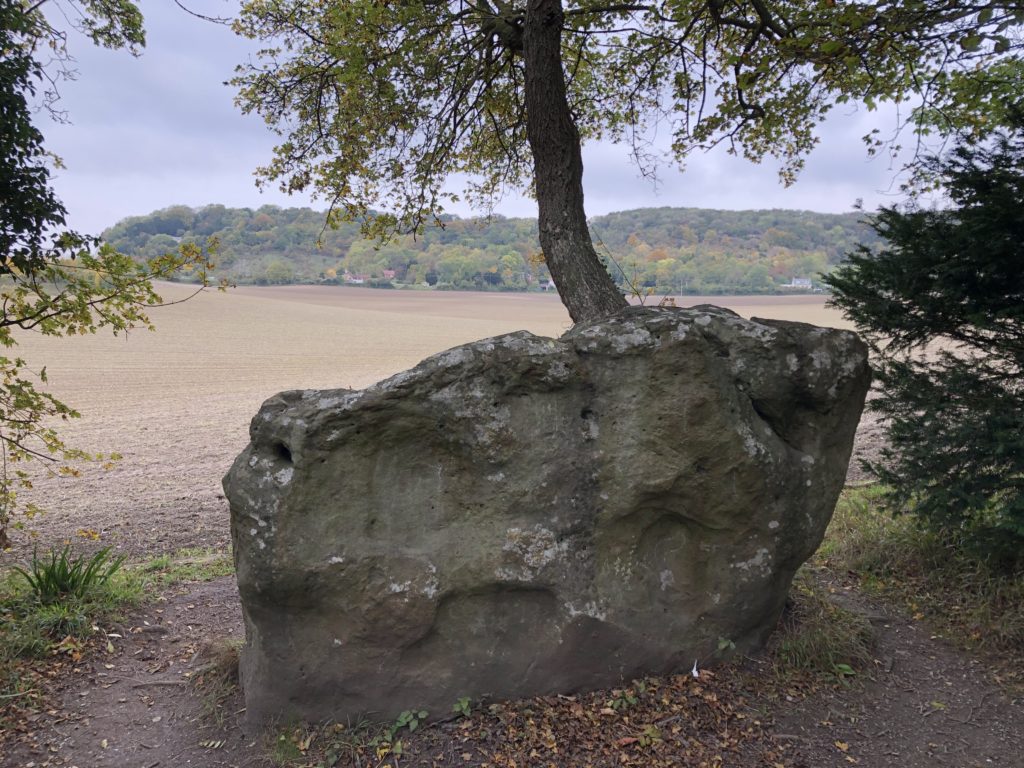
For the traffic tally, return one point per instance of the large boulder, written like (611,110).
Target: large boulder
(524,515)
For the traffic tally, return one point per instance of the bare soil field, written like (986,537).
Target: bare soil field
(177,403)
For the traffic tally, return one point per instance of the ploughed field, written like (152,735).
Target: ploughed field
(177,403)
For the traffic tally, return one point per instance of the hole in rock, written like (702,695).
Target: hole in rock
(283,452)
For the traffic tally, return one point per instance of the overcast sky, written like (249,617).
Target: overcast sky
(162,130)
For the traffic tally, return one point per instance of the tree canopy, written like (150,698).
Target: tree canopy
(379,103)
(943,304)
(27,204)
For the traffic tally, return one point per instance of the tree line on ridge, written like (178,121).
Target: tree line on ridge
(664,250)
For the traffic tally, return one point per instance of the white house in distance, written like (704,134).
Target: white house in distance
(800,283)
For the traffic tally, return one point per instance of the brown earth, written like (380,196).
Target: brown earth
(176,404)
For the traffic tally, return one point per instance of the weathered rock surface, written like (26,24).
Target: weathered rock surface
(525,515)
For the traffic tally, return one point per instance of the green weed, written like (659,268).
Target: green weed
(409,719)
(462,707)
(52,606)
(63,577)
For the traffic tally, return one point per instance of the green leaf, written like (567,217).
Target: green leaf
(971,43)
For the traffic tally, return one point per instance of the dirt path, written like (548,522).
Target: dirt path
(925,703)
(136,707)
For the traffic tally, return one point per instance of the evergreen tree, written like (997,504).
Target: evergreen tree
(943,303)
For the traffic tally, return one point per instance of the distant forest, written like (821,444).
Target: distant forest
(665,250)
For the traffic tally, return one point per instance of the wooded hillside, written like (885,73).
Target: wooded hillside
(669,250)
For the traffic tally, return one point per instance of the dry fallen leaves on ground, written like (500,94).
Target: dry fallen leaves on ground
(673,721)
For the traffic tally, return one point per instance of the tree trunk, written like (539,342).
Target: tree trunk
(583,283)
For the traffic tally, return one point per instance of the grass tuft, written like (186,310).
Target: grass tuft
(65,578)
(36,624)
(189,565)
(217,679)
(817,639)
(54,605)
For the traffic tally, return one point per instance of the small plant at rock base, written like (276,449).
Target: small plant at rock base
(345,741)
(410,719)
(621,700)
(386,742)
(462,707)
(62,576)
(291,744)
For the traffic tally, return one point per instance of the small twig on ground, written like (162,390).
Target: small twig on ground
(969,720)
(667,720)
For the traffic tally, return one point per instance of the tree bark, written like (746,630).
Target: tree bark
(583,283)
